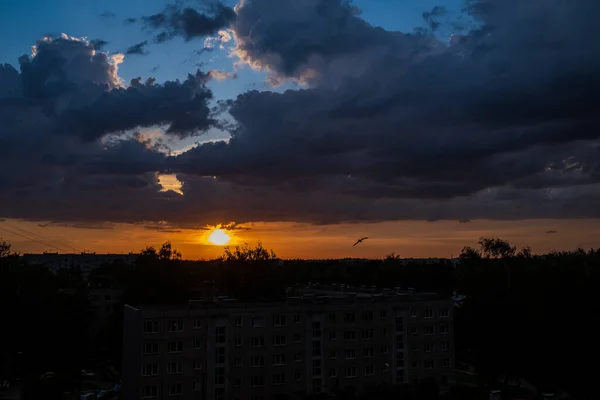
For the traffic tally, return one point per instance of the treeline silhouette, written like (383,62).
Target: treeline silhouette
(523,316)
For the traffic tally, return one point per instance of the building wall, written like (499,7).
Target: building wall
(231,351)
(85,261)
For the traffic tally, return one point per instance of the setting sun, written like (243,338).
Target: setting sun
(219,237)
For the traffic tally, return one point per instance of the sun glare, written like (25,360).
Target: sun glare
(219,237)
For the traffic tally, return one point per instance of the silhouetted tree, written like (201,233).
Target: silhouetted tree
(496,248)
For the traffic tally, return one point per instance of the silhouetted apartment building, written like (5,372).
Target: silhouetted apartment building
(306,345)
(85,261)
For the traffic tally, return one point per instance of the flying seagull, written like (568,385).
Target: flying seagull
(359,241)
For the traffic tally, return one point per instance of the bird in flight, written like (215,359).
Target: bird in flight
(359,241)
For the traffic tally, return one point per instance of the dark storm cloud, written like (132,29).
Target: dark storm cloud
(181,105)
(138,49)
(188,22)
(413,117)
(79,90)
(62,123)
(501,124)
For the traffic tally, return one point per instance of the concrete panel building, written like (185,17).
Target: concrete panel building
(343,342)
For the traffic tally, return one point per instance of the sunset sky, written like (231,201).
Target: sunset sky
(305,124)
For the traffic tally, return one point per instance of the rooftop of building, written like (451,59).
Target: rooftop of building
(306,295)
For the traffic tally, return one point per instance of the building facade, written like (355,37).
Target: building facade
(307,345)
(85,261)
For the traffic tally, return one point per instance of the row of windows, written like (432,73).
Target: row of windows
(151,348)
(430,347)
(430,364)
(443,329)
(443,312)
(177,325)
(174,368)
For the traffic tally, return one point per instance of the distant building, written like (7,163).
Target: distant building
(348,342)
(85,261)
(103,303)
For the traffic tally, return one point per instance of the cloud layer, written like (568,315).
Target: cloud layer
(500,122)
